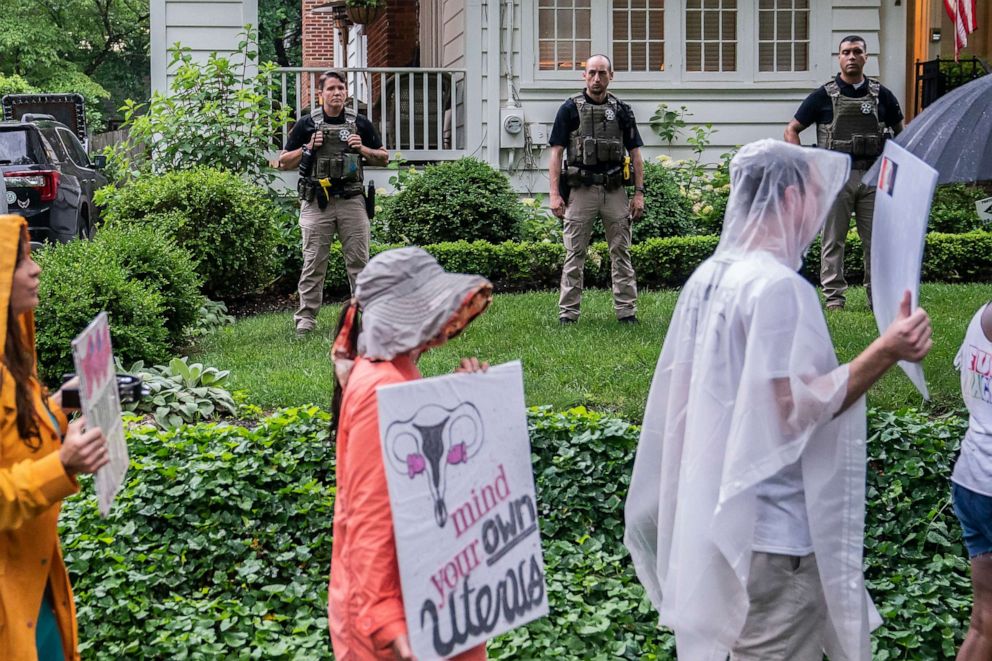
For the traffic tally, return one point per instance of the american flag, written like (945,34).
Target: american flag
(962,15)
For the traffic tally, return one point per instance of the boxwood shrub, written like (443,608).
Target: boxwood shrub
(226,223)
(451,201)
(150,256)
(80,279)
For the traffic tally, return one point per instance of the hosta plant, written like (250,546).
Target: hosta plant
(182,393)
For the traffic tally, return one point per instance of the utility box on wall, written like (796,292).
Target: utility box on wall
(511,122)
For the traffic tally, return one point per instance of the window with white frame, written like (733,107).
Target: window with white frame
(706,37)
(638,35)
(783,35)
(711,35)
(564,34)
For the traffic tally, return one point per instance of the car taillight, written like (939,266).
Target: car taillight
(47,181)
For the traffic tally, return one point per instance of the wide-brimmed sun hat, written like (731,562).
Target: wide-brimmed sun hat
(409,302)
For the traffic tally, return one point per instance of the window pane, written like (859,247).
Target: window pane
(693,57)
(562,26)
(766,57)
(638,25)
(620,32)
(639,56)
(546,54)
(716,26)
(638,28)
(583,50)
(582,24)
(783,35)
(546,24)
(801,62)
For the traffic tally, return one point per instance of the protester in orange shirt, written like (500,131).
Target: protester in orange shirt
(37,470)
(407,304)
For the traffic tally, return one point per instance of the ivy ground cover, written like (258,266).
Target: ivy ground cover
(220,543)
(597,363)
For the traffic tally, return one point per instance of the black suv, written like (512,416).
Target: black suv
(49,178)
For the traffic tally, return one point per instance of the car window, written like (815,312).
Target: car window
(52,142)
(74,148)
(16,148)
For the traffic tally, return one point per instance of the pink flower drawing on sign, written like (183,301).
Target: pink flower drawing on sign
(96,361)
(430,442)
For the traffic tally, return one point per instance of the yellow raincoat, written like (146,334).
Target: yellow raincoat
(32,486)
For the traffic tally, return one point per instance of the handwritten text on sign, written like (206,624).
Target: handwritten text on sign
(464,508)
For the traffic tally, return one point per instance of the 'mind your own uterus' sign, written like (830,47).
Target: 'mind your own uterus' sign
(461,489)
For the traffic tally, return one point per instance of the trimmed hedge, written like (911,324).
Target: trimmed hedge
(666,262)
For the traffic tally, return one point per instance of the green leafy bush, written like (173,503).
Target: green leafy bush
(220,542)
(180,393)
(916,566)
(218,545)
(226,223)
(218,114)
(80,279)
(667,212)
(953,209)
(463,199)
(148,255)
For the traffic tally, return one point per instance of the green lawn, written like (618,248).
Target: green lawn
(597,363)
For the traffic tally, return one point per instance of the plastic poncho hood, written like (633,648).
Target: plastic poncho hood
(748,384)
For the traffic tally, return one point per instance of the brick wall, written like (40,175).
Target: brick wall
(392,40)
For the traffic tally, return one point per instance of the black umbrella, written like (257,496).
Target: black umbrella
(954,135)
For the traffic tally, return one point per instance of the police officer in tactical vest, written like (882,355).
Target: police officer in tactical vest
(854,115)
(330,147)
(594,129)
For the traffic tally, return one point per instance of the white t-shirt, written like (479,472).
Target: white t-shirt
(973,469)
(782,525)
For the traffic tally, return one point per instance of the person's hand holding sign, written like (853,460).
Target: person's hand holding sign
(470,365)
(83,450)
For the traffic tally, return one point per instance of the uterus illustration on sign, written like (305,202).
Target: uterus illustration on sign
(433,440)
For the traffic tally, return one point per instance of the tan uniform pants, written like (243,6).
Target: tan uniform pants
(585,204)
(787,611)
(345,217)
(860,199)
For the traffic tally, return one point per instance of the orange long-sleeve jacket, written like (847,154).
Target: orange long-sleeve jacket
(365,604)
(32,486)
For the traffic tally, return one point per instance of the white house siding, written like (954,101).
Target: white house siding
(205,26)
(740,110)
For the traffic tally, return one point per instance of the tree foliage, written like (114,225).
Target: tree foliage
(98,48)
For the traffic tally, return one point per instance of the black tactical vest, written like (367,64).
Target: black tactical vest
(335,160)
(856,128)
(598,140)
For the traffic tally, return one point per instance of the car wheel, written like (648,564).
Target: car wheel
(85,228)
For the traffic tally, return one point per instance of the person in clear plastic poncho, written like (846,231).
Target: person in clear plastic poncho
(745,516)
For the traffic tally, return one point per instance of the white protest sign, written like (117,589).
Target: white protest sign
(984,209)
(94,358)
(461,489)
(899,229)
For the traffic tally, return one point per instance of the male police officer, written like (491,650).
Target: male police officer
(331,142)
(595,128)
(853,115)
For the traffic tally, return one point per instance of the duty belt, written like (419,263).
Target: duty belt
(613,177)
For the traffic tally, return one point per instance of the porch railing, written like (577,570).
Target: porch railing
(937,77)
(417,111)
